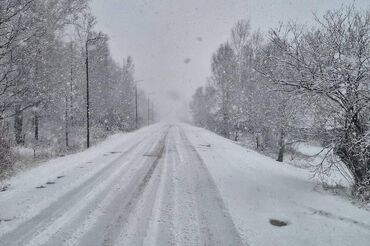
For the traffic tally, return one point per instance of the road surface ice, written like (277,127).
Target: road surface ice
(173,185)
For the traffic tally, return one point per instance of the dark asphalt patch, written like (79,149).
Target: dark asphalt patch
(278,223)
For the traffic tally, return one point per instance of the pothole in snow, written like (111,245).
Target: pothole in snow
(60,177)
(41,187)
(50,183)
(278,223)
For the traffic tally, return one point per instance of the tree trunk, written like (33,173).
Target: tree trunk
(354,152)
(281,146)
(36,125)
(236,138)
(71,100)
(18,125)
(225,130)
(225,114)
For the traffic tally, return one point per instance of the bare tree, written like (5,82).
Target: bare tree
(13,32)
(331,61)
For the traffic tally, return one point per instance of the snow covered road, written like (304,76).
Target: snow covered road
(173,185)
(151,190)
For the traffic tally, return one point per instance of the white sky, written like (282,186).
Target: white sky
(161,34)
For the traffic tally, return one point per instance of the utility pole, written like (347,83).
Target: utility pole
(136,115)
(152,111)
(68,116)
(66,119)
(148,110)
(136,104)
(87,42)
(87,95)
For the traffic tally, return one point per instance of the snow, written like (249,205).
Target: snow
(74,169)
(338,175)
(23,151)
(308,149)
(174,184)
(256,188)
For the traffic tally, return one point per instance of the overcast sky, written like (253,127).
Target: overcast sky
(172,41)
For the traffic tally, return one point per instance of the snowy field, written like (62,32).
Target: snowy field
(174,184)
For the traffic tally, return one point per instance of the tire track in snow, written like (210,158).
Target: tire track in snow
(82,222)
(161,227)
(162,197)
(118,214)
(26,231)
(215,222)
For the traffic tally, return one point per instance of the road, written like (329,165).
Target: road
(174,184)
(153,189)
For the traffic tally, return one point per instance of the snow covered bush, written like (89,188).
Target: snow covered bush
(6,157)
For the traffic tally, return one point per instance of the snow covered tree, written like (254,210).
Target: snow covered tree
(13,32)
(43,74)
(223,79)
(203,108)
(331,61)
